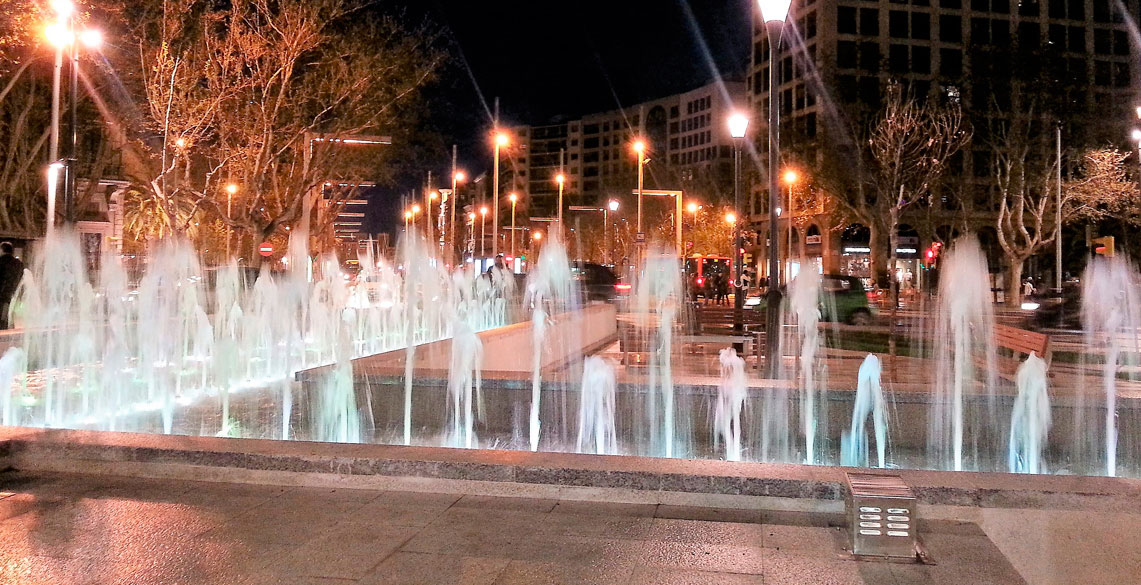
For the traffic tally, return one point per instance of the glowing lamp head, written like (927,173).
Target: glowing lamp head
(791,176)
(231,188)
(560,178)
(513,197)
(180,142)
(471,216)
(433,196)
(774,10)
(613,205)
(501,139)
(731,217)
(639,146)
(738,125)
(416,208)
(460,176)
(1137,134)
(537,236)
(483,210)
(63,8)
(57,35)
(692,207)
(91,38)
(407,215)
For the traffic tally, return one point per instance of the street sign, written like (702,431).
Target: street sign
(640,238)
(265,249)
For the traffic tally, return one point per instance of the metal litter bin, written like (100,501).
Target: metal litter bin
(881,516)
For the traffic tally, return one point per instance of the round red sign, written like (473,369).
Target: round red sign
(265,249)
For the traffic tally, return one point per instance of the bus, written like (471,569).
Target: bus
(701,271)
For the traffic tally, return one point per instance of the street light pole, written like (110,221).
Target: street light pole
(514,199)
(482,233)
(640,150)
(500,141)
(738,125)
(1058,208)
(773,13)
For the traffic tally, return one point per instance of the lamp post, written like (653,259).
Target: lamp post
(500,142)
(471,232)
(457,178)
(560,179)
(640,150)
(231,189)
(514,199)
(63,35)
(790,178)
(612,205)
(407,220)
(773,12)
(482,233)
(738,125)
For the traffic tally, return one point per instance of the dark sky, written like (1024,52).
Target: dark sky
(546,58)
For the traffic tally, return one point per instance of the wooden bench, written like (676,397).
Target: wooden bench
(1013,345)
(716,320)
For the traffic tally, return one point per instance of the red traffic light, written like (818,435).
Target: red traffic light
(930,254)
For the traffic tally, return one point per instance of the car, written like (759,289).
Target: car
(598,283)
(842,299)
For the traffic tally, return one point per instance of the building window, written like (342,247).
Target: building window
(1057,35)
(810,125)
(950,63)
(810,25)
(1120,43)
(980,5)
(847,55)
(1101,73)
(870,91)
(921,59)
(897,58)
(951,3)
(1101,41)
(980,31)
(1121,77)
(1077,10)
(920,25)
(897,24)
(870,57)
(1078,71)
(1057,8)
(1000,6)
(1000,32)
(869,22)
(1028,7)
(590,129)
(848,88)
(1029,35)
(950,28)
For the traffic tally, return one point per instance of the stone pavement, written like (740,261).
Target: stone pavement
(64,529)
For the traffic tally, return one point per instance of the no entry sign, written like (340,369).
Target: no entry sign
(265,249)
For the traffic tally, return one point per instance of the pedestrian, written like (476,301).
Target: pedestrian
(11,271)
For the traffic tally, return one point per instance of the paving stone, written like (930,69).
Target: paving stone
(794,568)
(674,576)
(705,557)
(804,538)
(547,573)
(507,503)
(605,508)
(700,531)
(710,514)
(407,568)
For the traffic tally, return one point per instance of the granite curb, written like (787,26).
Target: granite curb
(27,448)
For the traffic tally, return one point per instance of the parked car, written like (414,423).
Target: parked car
(598,283)
(842,299)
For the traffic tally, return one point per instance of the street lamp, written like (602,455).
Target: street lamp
(560,179)
(639,147)
(738,125)
(432,195)
(773,12)
(62,34)
(471,232)
(457,178)
(613,206)
(231,190)
(407,220)
(500,142)
(514,199)
(790,178)
(482,233)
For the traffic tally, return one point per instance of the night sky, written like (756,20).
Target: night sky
(547,59)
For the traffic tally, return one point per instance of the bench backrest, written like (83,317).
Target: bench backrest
(1021,341)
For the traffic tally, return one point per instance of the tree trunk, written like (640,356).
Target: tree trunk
(877,260)
(1014,281)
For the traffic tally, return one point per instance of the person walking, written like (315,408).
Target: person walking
(11,271)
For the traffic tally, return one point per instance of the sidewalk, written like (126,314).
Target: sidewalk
(65,529)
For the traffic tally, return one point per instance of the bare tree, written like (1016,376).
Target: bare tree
(263,94)
(909,148)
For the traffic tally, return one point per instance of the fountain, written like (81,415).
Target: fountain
(963,338)
(549,289)
(597,407)
(659,295)
(869,402)
(1111,317)
(1030,420)
(730,400)
(804,309)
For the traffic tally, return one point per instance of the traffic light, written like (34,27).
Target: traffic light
(1103,246)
